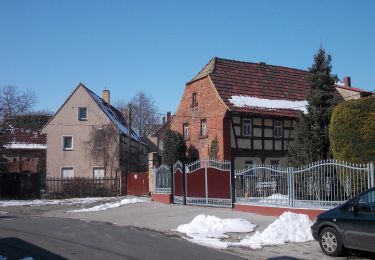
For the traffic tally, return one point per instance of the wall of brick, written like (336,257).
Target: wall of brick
(210,107)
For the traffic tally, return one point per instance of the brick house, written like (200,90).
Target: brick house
(70,132)
(250,108)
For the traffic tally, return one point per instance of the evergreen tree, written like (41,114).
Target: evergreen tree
(312,142)
(174,147)
(214,149)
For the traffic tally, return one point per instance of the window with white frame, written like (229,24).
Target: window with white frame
(82,113)
(203,127)
(186,131)
(67,172)
(278,129)
(67,142)
(246,127)
(98,172)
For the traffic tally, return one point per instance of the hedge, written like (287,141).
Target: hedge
(352,131)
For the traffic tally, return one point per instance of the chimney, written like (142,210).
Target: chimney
(348,81)
(168,116)
(106,96)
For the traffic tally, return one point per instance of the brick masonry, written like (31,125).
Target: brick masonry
(210,107)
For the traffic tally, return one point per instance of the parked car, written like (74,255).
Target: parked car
(351,225)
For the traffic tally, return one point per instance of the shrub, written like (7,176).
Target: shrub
(352,131)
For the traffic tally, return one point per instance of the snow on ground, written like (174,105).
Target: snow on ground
(281,198)
(109,205)
(18,203)
(247,101)
(289,227)
(3,212)
(209,230)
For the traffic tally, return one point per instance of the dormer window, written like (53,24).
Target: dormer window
(82,113)
(194,101)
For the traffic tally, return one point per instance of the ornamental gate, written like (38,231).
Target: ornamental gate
(206,183)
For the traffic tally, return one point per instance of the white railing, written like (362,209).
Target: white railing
(323,184)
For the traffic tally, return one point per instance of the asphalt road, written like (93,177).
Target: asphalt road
(54,238)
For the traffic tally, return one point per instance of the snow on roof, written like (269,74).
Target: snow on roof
(25,146)
(114,115)
(269,104)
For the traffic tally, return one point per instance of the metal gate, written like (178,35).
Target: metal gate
(208,183)
(162,180)
(179,190)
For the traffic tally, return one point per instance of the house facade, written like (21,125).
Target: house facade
(88,137)
(249,108)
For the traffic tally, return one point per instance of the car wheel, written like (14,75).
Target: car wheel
(330,242)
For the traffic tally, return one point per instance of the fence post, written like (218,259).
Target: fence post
(183,183)
(172,182)
(233,182)
(206,179)
(291,186)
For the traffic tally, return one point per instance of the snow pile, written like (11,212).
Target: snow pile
(19,203)
(277,197)
(208,230)
(109,205)
(254,102)
(289,227)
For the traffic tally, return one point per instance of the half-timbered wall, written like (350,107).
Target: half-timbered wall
(264,143)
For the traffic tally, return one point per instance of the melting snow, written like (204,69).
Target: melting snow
(209,230)
(109,205)
(18,203)
(254,102)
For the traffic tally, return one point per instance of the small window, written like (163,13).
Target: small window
(186,131)
(82,113)
(67,172)
(203,127)
(194,101)
(98,172)
(67,142)
(278,129)
(246,127)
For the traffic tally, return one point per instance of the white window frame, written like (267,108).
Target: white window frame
(186,131)
(204,130)
(63,143)
(98,167)
(66,167)
(249,126)
(78,114)
(278,129)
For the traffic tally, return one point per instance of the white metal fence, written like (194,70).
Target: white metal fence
(322,184)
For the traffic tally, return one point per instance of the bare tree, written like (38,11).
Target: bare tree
(15,102)
(144,114)
(103,146)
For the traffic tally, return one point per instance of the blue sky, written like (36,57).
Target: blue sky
(157,46)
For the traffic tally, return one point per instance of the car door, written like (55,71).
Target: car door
(360,229)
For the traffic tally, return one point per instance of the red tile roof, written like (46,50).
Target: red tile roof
(260,80)
(21,138)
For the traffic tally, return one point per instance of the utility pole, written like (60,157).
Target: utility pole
(129,148)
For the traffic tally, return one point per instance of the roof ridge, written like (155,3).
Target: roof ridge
(258,63)
(205,71)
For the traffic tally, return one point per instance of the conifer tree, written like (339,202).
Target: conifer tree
(312,142)
(174,147)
